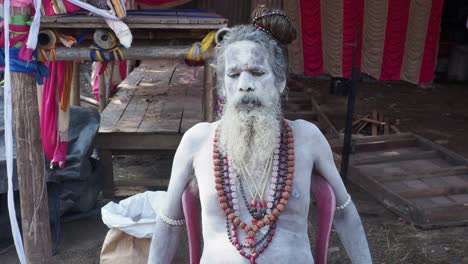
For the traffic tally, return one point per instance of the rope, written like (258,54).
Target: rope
(193,57)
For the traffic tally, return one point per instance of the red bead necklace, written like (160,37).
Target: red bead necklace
(225,179)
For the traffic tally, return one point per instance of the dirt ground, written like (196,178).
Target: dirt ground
(439,114)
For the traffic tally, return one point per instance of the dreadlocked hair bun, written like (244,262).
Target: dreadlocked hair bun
(275,22)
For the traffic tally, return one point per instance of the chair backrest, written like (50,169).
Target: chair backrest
(324,197)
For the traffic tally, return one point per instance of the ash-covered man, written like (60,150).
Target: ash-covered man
(253,167)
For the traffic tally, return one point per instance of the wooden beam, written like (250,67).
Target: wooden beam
(450,171)
(208,93)
(133,53)
(75,89)
(395,158)
(30,165)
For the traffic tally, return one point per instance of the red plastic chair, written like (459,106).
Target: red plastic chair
(323,194)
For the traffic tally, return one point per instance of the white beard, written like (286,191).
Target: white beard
(249,134)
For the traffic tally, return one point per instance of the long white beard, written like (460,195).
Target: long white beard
(249,136)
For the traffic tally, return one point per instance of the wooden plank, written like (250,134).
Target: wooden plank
(380,145)
(396,157)
(153,115)
(193,113)
(426,174)
(448,154)
(113,112)
(133,114)
(141,141)
(133,79)
(424,190)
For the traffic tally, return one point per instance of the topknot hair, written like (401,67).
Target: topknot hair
(275,22)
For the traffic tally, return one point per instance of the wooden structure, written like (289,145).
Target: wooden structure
(424,183)
(165,34)
(150,111)
(153,107)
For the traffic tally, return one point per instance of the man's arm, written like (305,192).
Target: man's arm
(347,222)
(165,239)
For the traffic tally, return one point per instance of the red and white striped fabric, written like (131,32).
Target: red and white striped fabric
(396,39)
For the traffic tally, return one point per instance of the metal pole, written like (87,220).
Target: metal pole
(349,117)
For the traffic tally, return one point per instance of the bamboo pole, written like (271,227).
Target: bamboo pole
(30,165)
(133,53)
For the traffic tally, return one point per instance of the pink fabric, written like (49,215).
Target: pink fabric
(352,34)
(428,66)
(312,36)
(49,111)
(98,71)
(395,38)
(323,194)
(55,148)
(19,3)
(48,9)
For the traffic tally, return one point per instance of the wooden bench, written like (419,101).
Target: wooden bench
(151,110)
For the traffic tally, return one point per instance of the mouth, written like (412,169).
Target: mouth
(249,102)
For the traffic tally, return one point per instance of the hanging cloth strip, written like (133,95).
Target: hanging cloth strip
(193,57)
(18,241)
(55,111)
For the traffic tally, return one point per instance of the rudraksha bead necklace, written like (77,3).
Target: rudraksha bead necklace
(264,214)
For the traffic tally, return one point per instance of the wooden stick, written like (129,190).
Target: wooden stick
(374,125)
(387,126)
(30,165)
(89,100)
(372,121)
(75,90)
(133,53)
(102,90)
(109,82)
(394,128)
(208,93)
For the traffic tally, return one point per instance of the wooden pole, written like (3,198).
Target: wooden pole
(30,165)
(102,90)
(133,53)
(208,93)
(75,89)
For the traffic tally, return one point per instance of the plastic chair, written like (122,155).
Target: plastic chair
(323,194)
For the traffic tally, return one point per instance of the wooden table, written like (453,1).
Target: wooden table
(159,101)
(151,110)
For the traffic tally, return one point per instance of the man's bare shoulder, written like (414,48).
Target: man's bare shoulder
(306,131)
(196,135)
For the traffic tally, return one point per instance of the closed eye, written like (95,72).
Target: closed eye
(257,72)
(233,75)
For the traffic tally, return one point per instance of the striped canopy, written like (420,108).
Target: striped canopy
(396,39)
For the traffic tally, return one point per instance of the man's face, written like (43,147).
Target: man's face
(249,80)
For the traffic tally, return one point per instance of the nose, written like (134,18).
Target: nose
(245,83)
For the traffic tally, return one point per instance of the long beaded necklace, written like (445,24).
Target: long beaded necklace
(226,179)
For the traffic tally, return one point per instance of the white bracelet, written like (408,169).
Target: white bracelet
(345,204)
(172,222)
